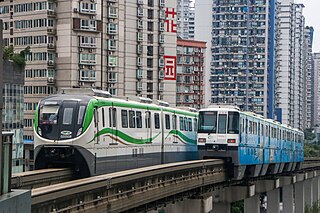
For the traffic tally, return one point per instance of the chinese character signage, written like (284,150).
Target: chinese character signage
(170,67)
(170,20)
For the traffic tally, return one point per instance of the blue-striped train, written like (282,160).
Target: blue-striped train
(95,133)
(253,145)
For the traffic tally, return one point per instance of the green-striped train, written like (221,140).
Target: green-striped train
(95,133)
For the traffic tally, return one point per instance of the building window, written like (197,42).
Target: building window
(150,26)
(90,25)
(87,58)
(87,41)
(112,28)
(112,45)
(87,75)
(112,77)
(113,12)
(40,5)
(112,61)
(86,7)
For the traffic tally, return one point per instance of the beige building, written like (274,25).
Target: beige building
(127,47)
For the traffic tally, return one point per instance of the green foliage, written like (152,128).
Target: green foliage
(308,134)
(18,58)
(315,208)
(311,150)
(237,207)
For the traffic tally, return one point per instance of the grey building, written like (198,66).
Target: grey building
(291,107)
(185,16)
(12,114)
(240,52)
(316,89)
(127,47)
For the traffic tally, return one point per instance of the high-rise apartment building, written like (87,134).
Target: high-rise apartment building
(127,47)
(191,22)
(190,73)
(184,14)
(240,51)
(316,89)
(308,37)
(290,107)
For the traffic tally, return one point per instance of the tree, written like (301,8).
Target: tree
(18,58)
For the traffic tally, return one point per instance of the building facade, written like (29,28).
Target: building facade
(190,73)
(308,38)
(12,112)
(239,51)
(291,106)
(127,47)
(183,12)
(316,89)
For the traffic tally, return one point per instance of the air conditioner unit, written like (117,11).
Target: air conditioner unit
(81,84)
(92,17)
(50,62)
(50,79)
(50,45)
(80,49)
(92,0)
(91,50)
(81,66)
(93,84)
(75,10)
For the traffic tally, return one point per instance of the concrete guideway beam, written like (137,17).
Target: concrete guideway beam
(299,196)
(235,193)
(267,185)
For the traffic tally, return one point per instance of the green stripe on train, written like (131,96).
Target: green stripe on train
(124,136)
(181,135)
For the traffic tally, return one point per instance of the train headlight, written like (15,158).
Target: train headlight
(79,131)
(231,140)
(39,131)
(201,140)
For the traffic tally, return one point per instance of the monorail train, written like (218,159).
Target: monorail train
(94,133)
(253,146)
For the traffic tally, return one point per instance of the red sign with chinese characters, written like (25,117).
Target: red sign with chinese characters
(170,20)
(170,67)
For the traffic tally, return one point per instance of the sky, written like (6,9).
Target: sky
(312,14)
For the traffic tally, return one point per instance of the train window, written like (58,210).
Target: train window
(195,124)
(112,117)
(81,114)
(132,122)
(190,124)
(185,124)
(259,133)
(139,119)
(267,131)
(148,119)
(156,121)
(222,123)
(181,123)
(67,116)
(250,127)
(207,122)
(103,124)
(167,119)
(49,114)
(262,130)
(174,122)
(233,123)
(124,118)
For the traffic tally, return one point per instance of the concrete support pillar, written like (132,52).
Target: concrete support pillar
(273,201)
(315,189)
(308,193)
(299,196)
(252,204)
(221,207)
(287,199)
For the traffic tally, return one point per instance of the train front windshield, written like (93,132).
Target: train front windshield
(220,123)
(61,120)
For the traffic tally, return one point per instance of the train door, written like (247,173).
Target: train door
(148,126)
(222,127)
(113,124)
(174,127)
(96,125)
(67,123)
